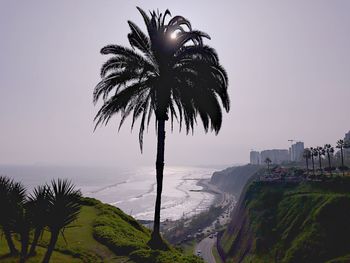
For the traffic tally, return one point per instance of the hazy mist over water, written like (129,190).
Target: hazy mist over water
(288,64)
(131,189)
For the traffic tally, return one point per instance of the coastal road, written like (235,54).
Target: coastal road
(206,246)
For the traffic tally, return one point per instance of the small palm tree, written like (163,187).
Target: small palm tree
(329,150)
(23,227)
(64,208)
(38,207)
(307,155)
(268,162)
(12,195)
(174,75)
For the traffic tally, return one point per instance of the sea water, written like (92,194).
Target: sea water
(132,190)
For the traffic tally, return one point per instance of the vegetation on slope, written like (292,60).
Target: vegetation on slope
(102,233)
(290,222)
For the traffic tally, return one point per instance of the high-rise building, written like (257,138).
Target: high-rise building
(296,153)
(347,136)
(277,156)
(254,157)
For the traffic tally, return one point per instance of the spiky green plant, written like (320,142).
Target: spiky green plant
(38,207)
(12,198)
(64,208)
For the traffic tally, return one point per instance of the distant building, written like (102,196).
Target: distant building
(347,136)
(254,157)
(277,156)
(296,152)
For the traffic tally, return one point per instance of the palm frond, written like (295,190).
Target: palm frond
(138,39)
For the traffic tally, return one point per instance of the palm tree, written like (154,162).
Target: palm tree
(64,208)
(329,150)
(38,205)
(173,75)
(8,206)
(320,153)
(341,144)
(307,155)
(313,154)
(268,161)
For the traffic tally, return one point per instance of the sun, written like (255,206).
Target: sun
(173,35)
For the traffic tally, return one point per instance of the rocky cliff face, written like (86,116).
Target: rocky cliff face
(233,179)
(290,223)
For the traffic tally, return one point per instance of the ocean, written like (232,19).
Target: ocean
(132,190)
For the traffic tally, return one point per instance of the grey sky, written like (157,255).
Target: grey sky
(288,64)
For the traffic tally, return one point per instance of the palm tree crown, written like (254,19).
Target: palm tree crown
(173,74)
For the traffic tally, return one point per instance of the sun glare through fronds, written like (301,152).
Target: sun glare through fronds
(173,35)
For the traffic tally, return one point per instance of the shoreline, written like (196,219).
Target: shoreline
(220,199)
(219,196)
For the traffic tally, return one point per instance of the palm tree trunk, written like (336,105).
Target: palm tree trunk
(329,163)
(307,166)
(313,164)
(24,248)
(35,241)
(51,246)
(342,160)
(156,239)
(320,161)
(11,245)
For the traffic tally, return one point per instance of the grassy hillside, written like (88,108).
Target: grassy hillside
(290,223)
(102,233)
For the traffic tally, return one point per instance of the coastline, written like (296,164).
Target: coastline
(220,199)
(210,188)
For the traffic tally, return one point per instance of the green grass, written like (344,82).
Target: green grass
(102,233)
(216,255)
(188,247)
(56,256)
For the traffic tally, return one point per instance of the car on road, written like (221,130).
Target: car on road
(199,253)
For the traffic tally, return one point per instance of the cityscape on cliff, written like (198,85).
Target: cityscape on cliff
(174,131)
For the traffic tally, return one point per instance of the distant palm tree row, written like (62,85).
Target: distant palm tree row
(50,207)
(326,151)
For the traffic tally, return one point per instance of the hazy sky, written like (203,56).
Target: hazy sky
(288,64)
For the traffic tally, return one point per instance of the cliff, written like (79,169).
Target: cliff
(233,179)
(290,223)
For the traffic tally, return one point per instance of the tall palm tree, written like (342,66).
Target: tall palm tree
(329,150)
(64,208)
(307,156)
(313,154)
(174,75)
(341,144)
(38,206)
(320,153)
